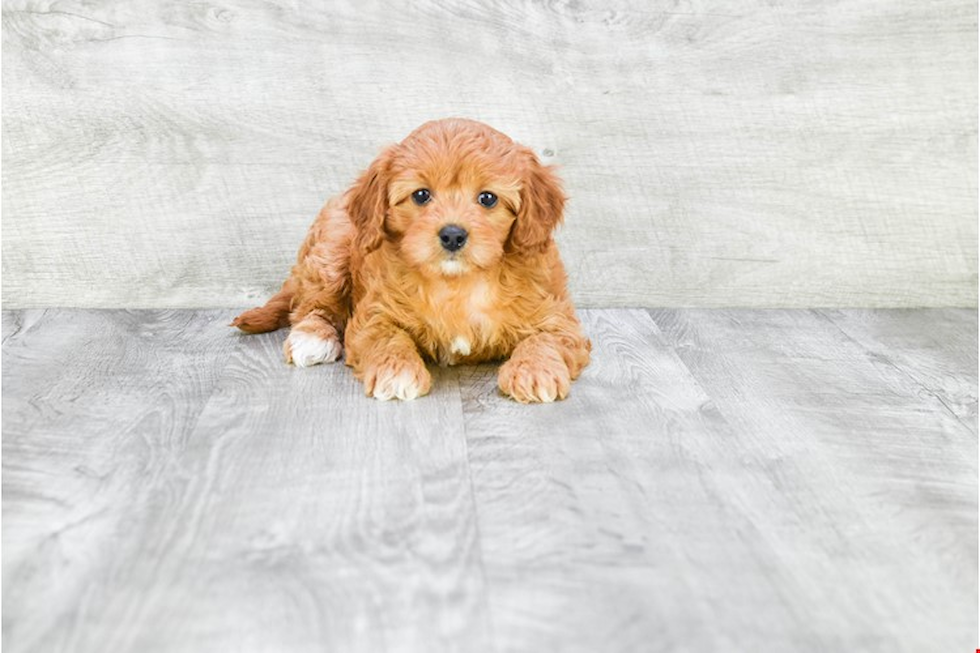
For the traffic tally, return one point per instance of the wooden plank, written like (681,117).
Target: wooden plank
(15,321)
(723,153)
(874,501)
(936,349)
(607,520)
(98,406)
(745,480)
(300,516)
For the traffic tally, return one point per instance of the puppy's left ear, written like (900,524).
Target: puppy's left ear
(542,206)
(367,202)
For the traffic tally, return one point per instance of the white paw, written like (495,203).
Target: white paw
(399,381)
(304,349)
(534,381)
(404,387)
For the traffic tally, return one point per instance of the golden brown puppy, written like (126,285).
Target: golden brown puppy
(441,251)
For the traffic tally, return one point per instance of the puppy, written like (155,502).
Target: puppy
(441,251)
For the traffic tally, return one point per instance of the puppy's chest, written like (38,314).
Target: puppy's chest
(462,325)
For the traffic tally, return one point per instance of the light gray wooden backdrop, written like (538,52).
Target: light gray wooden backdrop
(717,152)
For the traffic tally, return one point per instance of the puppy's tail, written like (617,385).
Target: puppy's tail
(274,315)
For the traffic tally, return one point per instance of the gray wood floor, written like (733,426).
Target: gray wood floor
(718,480)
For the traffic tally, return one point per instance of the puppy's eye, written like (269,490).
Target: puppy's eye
(487,199)
(421,196)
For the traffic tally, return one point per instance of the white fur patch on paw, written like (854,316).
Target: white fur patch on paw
(402,386)
(304,349)
(529,382)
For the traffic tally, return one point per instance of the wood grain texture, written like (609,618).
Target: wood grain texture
(873,479)
(716,153)
(98,409)
(936,349)
(605,520)
(291,514)
(717,480)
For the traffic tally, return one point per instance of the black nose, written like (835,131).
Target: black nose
(452,237)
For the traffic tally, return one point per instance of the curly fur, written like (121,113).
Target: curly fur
(372,273)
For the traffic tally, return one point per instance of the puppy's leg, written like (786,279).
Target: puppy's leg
(318,322)
(543,366)
(322,304)
(386,359)
(312,340)
(318,319)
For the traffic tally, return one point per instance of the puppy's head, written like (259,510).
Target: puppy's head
(455,197)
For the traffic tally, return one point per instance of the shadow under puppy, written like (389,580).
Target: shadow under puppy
(442,250)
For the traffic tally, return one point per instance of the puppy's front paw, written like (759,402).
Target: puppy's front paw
(529,380)
(304,349)
(398,378)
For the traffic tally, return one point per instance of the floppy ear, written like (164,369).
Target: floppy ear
(542,206)
(367,203)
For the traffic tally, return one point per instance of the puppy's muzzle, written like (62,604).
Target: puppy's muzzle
(452,237)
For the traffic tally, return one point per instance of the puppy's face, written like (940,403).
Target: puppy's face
(452,206)
(454,198)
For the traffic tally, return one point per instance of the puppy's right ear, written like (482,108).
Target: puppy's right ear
(367,203)
(542,206)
